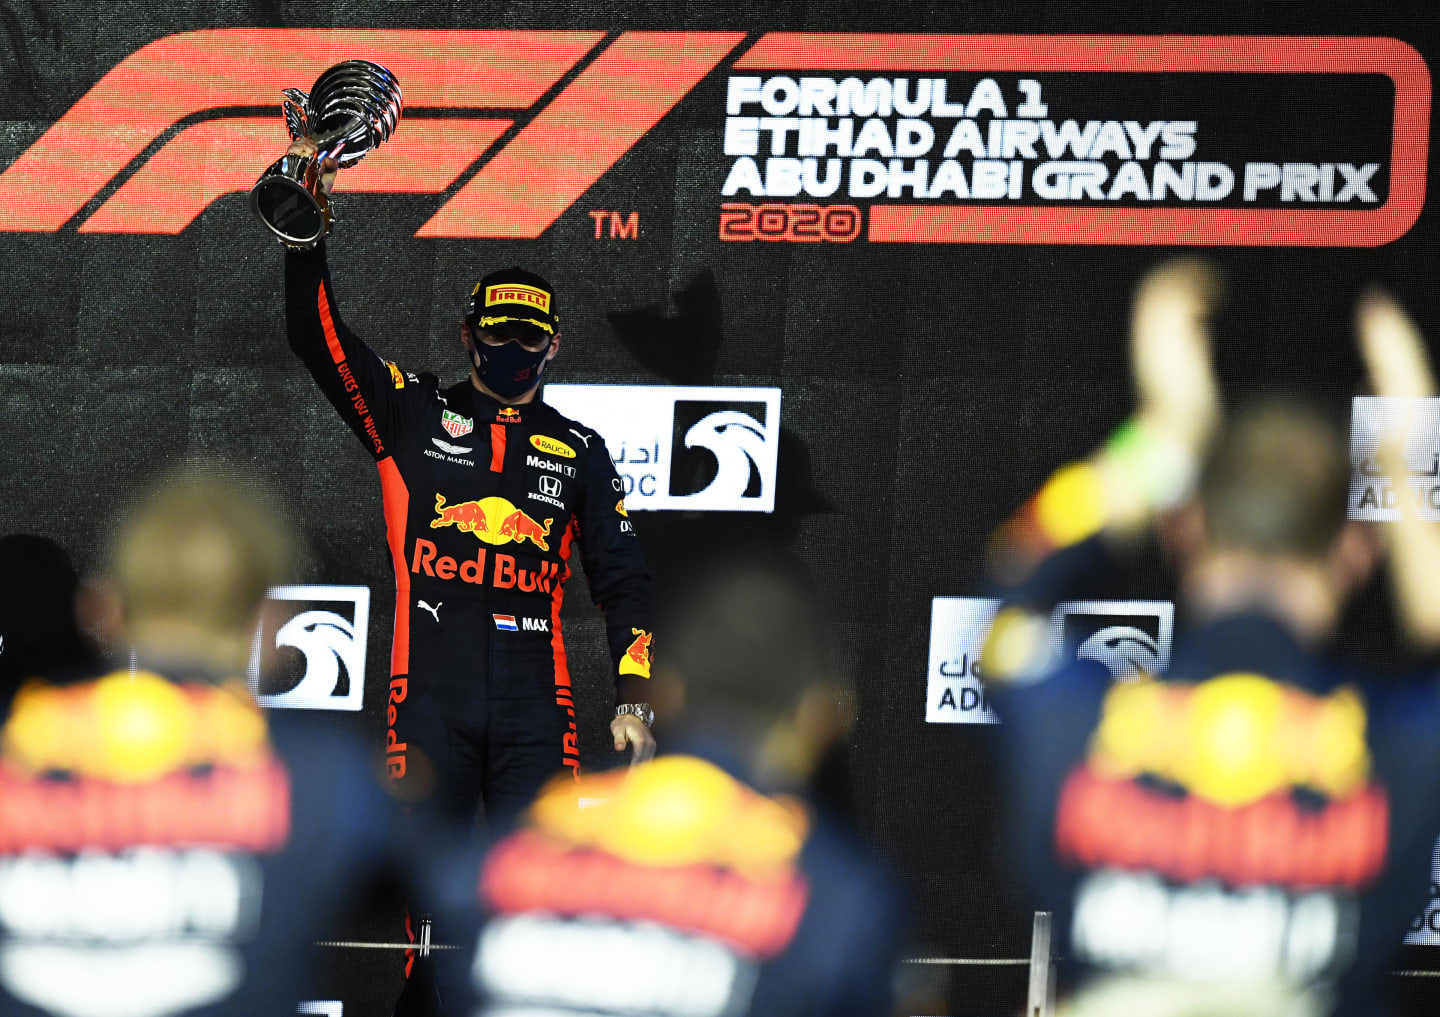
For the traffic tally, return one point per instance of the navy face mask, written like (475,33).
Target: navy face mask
(511,369)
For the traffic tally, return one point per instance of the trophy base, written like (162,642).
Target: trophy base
(289,200)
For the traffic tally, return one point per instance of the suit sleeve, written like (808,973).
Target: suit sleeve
(371,394)
(615,568)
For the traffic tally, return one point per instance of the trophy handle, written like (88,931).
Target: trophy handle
(297,112)
(290,200)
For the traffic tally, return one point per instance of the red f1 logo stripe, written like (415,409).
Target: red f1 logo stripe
(199,165)
(609,106)
(193,72)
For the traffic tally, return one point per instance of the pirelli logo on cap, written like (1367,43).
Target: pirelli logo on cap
(516,293)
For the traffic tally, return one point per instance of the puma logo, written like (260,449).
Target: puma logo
(583,437)
(434,611)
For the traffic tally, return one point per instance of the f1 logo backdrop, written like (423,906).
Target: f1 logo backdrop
(325,628)
(681,447)
(982,139)
(1127,636)
(566,144)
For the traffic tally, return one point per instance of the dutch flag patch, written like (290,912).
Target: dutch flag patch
(505,622)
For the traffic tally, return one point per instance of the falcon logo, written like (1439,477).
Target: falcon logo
(571,137)
(737,441)
(1127,652)
(333,646)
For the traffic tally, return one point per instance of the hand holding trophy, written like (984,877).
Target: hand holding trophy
(351,108)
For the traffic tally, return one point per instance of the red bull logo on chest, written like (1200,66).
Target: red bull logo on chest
(493,520)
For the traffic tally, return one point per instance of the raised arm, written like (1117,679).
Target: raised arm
(1395,358)
(1150,463)
(370,394)
(1072,526)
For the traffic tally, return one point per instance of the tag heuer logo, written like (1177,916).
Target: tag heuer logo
(456,425)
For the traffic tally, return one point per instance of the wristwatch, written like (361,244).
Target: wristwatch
(642,711)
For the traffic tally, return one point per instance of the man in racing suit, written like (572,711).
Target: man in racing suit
(487,494)
(1249,834)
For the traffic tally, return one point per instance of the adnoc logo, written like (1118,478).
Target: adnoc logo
(681,447)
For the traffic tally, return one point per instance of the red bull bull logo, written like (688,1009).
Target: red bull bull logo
(467,517)
(492,520)
(519,526)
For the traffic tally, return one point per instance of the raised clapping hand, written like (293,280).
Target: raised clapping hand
(1398,366)
(1170,351)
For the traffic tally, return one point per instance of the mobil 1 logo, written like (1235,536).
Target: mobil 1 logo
(309,649)
(696,449)
(1129,637)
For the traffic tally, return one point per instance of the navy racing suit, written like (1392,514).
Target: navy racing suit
(485,503)
(680,890)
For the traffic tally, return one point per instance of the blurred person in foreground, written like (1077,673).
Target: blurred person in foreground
(166,848)
(1251,834)
(680,887)
(39,630)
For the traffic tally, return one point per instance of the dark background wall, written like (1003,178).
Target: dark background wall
(928,387)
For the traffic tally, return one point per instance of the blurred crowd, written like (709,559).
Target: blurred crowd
(1250,833)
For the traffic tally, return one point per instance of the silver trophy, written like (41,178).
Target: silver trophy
(351,108)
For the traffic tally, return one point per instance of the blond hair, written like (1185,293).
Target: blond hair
(202,549)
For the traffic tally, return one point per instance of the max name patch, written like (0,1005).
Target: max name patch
(514,293)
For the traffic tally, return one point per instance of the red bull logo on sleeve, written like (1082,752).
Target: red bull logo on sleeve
(637,657)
